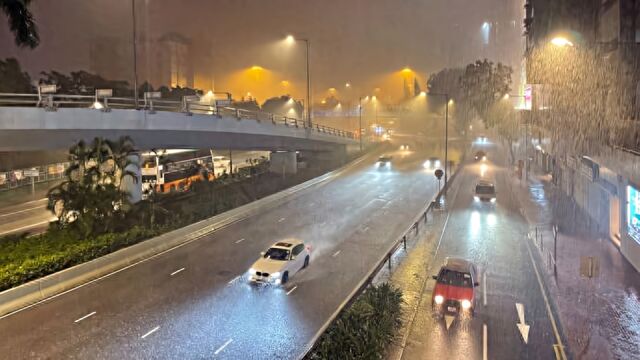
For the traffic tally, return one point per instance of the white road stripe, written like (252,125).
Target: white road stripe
(546,301)
(150,332)
(22,211)
(239,241)
(222,347)
(281,220)
(177,271)
(336,253)
(485,351)
(234,279)
(28,226)
(484,288)
(84,317)
(293,288)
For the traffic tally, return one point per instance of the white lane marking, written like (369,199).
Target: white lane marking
(234,279)
(317,182)
(293,288)
(336,253)
(239,241)
(84,317)
(150,332)
(484,288)
(28,226)
(365,229)
(22,211)
(281,220)
(485,351)
(222,347)
(546,302)
(177,271)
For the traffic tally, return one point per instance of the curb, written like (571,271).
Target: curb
(40,290)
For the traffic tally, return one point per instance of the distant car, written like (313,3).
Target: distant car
(282,261)
(484,191)
(481,156)
(482,139)
(404,147)
(455,287)
(384,160)
(432,163)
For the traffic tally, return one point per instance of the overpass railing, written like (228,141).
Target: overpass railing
(51,102)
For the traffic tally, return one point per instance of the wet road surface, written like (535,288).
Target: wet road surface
(195,302)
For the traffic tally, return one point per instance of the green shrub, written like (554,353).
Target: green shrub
(364,329)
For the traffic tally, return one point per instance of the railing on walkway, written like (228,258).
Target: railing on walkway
(188,106)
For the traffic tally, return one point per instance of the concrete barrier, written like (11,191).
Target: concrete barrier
(24,296)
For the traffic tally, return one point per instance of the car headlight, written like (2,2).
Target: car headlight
(437,164)
(275,275)
(476,198)
(438,299)
(493,200)
(252,271)
(484,158)
(427,164)
(466,304)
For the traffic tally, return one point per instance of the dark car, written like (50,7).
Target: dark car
(481,155)
(384,160)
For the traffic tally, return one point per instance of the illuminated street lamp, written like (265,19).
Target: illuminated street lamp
(291,40)
(561,41)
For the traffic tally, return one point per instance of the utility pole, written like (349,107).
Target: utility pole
(446,140)
(308,86)
(360,121)
(135,55)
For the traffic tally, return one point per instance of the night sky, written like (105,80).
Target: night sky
(360,41)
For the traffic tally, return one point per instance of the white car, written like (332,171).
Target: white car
(282,261)
(484,191)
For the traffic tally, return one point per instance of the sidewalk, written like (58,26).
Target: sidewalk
(600,316)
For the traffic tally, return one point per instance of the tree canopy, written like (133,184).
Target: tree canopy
(21,22)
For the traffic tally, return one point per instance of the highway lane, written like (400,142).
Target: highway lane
(194,301)
(493,237)
(29,216)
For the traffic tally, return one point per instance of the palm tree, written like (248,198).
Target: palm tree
(21,22)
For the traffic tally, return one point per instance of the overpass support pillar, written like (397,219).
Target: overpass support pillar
(283,162)
(131,185)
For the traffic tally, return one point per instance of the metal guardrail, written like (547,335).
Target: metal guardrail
(51,102)
(421,218)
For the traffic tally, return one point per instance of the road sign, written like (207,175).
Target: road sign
(31,172)
(438,173)
(48,89)
(153,95)
(103,93)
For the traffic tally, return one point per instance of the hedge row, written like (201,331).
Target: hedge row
(364,329)
(27,258)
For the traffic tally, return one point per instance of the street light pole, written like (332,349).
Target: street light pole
(446,140)
(308,85)
(135,55)
(360,121)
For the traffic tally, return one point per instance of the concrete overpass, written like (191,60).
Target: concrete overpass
(28,125)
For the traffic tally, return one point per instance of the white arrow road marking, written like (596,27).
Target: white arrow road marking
(522,326)
(281,220)
(448,319)
(222,347)
(485,355)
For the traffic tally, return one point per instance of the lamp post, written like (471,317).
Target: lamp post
(135,55)
(446,133)
(292,39)
(360,121)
